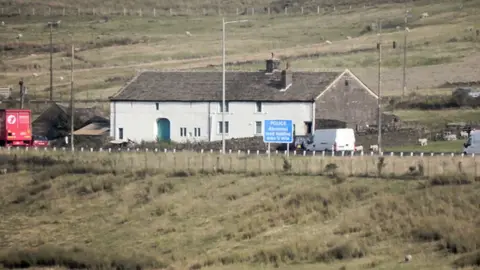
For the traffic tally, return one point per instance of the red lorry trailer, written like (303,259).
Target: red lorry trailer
(15,127)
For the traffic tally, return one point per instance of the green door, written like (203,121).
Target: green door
(163,129)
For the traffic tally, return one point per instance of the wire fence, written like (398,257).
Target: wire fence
(154,12)
(247,152)
(188,163)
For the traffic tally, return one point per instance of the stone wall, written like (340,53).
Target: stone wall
(349,102)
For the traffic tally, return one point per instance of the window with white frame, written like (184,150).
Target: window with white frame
(220,107)
(258,127)
(258,108)
(196,132)
(157,106)
(220,127)
(183,132)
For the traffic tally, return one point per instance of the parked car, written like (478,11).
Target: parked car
(40,141)
(472,145)
(296,145)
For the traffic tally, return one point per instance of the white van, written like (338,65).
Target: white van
(340,139)
(472,145)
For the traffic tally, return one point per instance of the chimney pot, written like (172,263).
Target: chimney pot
(271,64)
(286,77)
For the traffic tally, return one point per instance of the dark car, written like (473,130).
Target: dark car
(40,141)
(296,145)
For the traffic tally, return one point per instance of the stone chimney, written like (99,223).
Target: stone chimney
(272,64)
(286,77)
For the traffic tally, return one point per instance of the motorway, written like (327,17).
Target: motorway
(249,152)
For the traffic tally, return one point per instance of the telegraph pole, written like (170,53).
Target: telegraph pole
(224,23)
(51,61)
(379,48)
(72,129)
(22,93)
(405,52)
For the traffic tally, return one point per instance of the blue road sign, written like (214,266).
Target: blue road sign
(278,131)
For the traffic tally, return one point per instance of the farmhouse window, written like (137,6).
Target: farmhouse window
(258,127)
(120,133)
(227,109)
(196,132)
(157,106)
(183,132)
(259,107)
(220,127)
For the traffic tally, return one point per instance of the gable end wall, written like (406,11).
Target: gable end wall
(352,104)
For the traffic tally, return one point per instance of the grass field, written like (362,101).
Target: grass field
(441,146)
(140,210)
(438,118)
(440,48)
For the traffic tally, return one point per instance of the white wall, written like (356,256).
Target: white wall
(139,119)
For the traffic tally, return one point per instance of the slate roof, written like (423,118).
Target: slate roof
(240,86)
(54,122)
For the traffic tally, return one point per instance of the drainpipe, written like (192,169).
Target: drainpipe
(114,133)
(313,116)
(209,124)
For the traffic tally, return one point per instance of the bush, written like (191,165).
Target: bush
(349,250)
(75,258)
(450,179)
(472,259)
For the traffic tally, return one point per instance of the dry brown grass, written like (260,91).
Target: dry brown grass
(171,208)
(162,44)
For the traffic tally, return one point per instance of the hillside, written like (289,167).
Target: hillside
(198,4)
(134,211)
(109,53)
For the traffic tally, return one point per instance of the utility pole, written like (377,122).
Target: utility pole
(405,52)
(223,79)
(51,60)
(223,86)
(22,92)
(379,103)
(72,129)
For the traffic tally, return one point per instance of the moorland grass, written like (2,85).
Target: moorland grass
(128,212)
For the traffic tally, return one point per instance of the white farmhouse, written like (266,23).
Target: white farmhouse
(187,106)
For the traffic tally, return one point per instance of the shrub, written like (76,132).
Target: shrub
(450,179)
(349,250)
(380,166)
(472,259)
(287,165)
(182,173)
(74,258)
(331,170)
